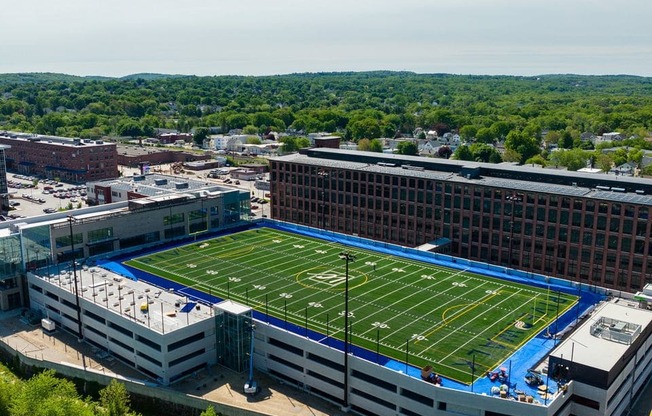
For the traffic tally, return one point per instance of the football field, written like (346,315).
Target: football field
(431,314)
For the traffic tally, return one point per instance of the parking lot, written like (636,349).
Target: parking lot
(30,196)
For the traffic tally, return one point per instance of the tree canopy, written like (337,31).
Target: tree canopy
(45,394)
(523,113)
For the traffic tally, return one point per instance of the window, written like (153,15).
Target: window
(173,219)
(64,241)
(101,234)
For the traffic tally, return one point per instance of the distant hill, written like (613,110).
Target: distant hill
(151,76)
(40,77)
(44,77)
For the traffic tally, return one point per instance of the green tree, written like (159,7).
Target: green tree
(46,395)
(249,129)
(485,135)
(566,140)
(536,160)
(364,145)
(366,128)
(407,148)
(603,161)
(210,411)
(375,145)
(485,153)
(253,140)
(468,132)
(292,143)
(115,400)
(129,128)
(463,153)
(523,144)
(200,135)
(501,129)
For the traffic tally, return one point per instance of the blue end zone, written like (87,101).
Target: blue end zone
(188,307)
(525,358)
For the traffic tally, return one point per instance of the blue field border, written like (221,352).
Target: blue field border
(526,357)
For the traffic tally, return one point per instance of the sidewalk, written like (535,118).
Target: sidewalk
(218,384)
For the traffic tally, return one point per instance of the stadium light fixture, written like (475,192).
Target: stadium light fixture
(347,257)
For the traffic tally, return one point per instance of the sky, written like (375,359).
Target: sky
(266,37)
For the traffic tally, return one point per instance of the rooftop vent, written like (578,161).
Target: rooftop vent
(410,167)
(615,330)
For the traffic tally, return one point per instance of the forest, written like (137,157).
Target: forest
(527,116)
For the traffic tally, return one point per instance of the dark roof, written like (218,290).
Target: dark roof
(513,177)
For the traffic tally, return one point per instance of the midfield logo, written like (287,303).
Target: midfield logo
(331,279)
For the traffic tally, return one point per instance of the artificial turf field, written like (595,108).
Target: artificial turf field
(438,316)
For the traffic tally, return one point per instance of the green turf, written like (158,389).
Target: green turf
(442,316)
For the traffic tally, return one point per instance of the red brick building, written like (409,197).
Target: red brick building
(70,160)
(135,155)
(590,228)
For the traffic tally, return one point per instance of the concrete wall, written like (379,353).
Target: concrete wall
(133,386)
(103,335)
(318,368)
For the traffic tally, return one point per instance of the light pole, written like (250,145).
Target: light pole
(80,335)
(347,257)
(514,198)
(322,175)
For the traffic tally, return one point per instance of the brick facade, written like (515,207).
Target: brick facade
(585,234)
(70,160)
